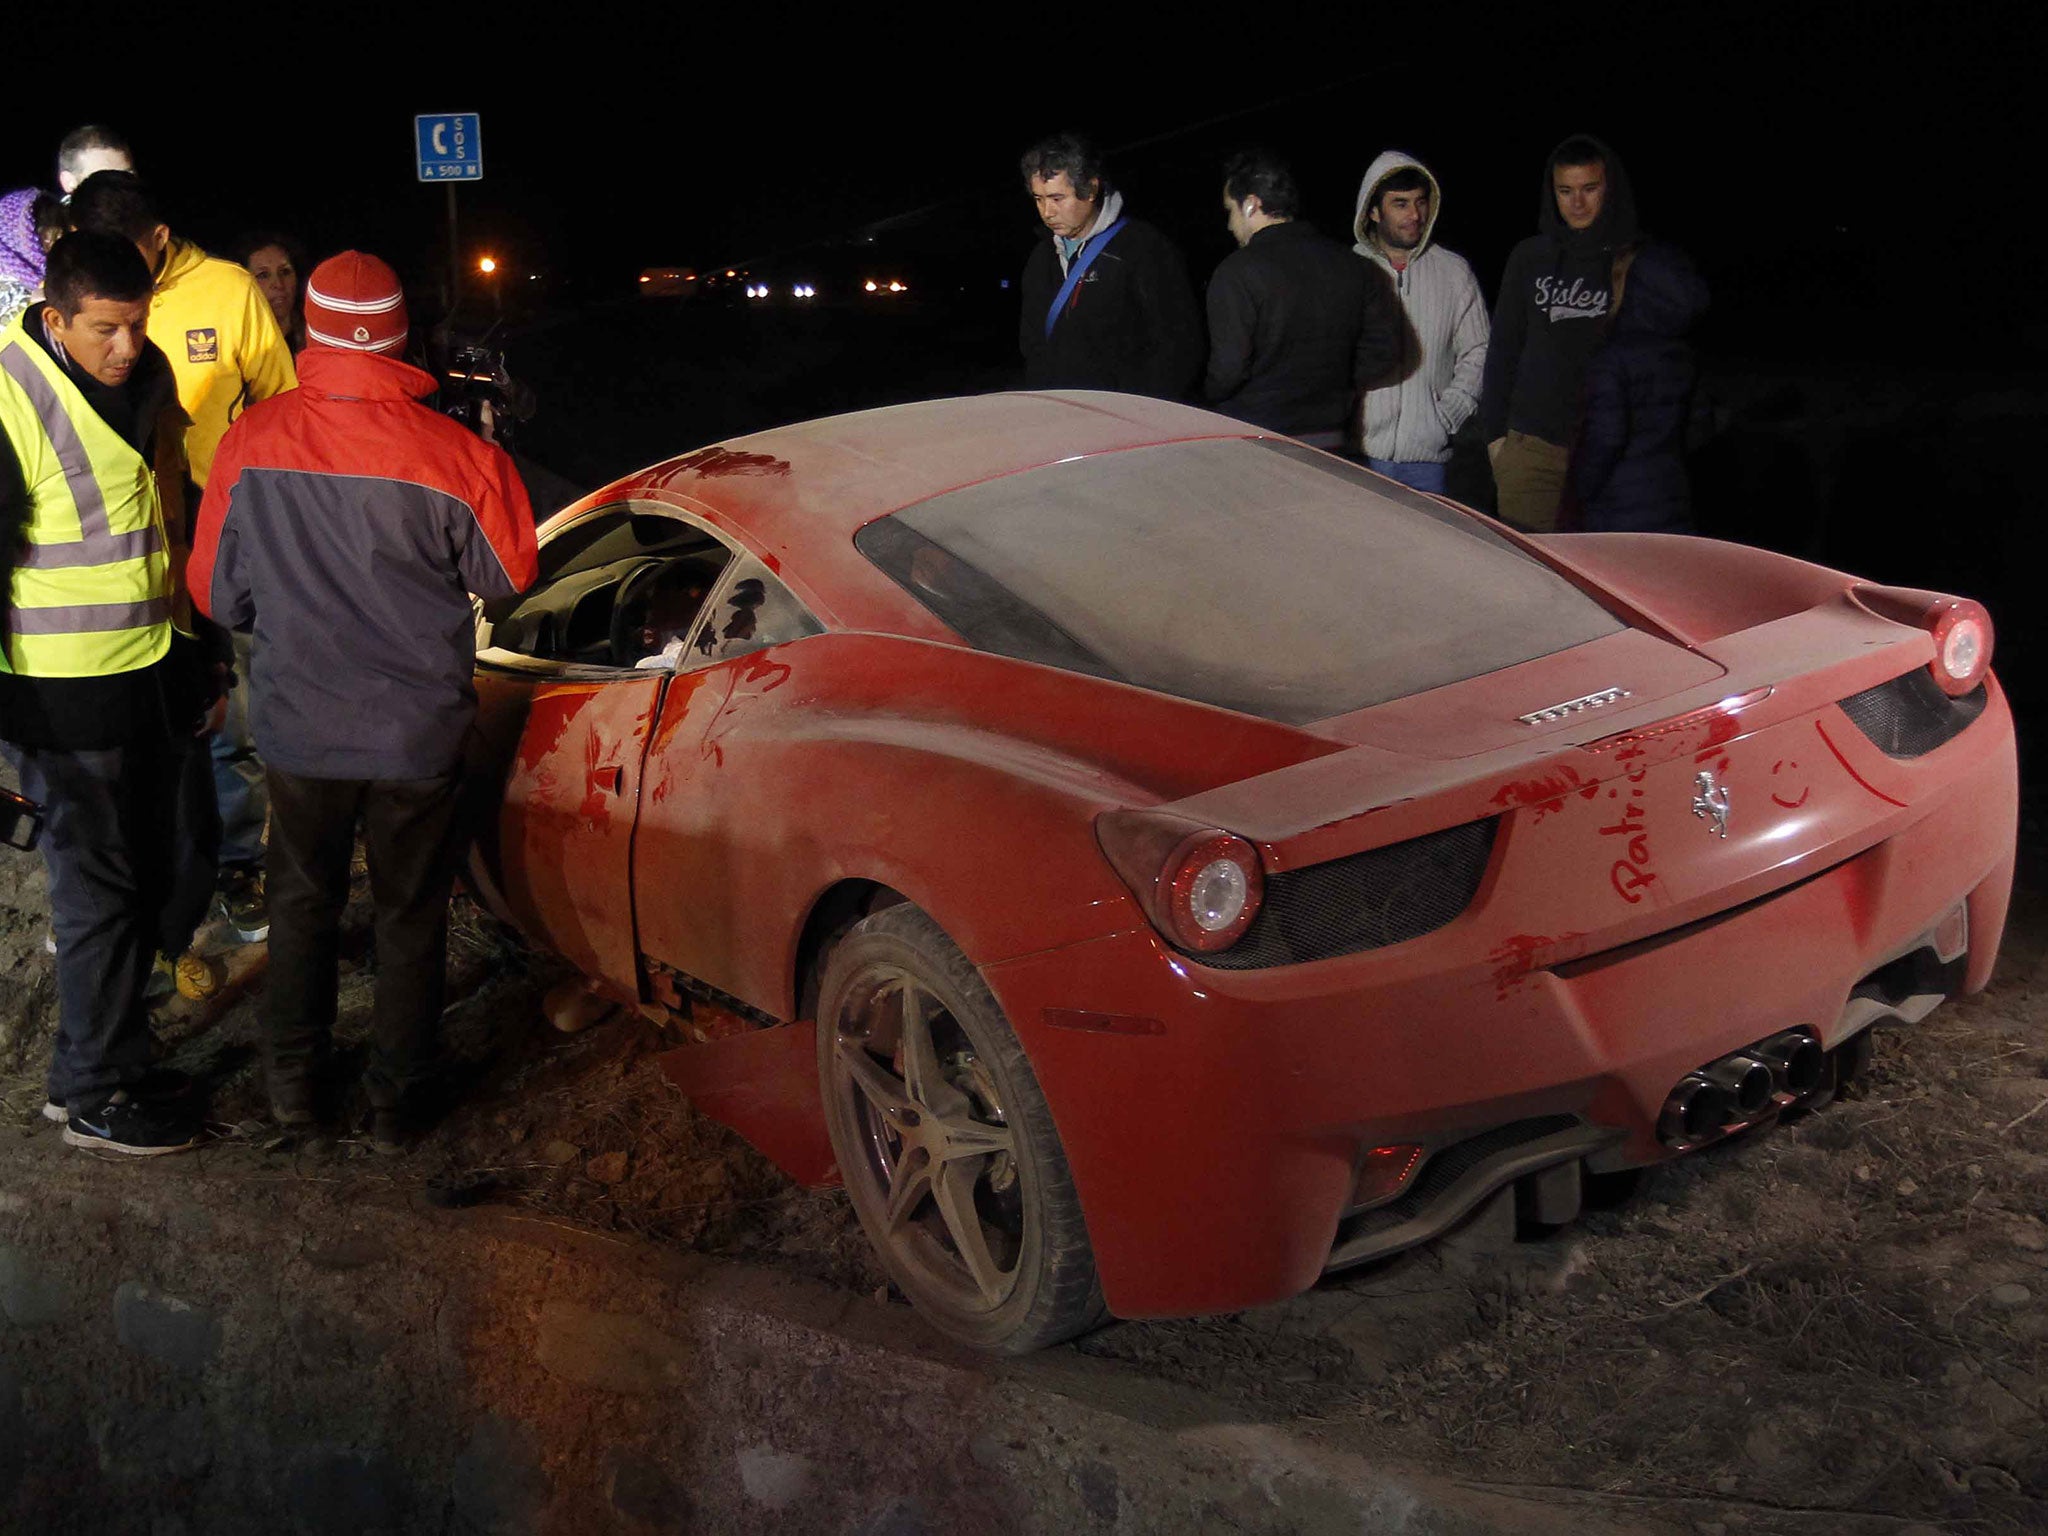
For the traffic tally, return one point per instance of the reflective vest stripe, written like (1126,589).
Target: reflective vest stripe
(96,546)
(91,618)
(101,551)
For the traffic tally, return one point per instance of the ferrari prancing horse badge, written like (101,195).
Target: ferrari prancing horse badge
(1711,802)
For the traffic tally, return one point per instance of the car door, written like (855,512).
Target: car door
(557,768)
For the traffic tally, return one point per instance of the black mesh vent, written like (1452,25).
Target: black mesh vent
(1910,716)
(1366,901)
(1451,1165)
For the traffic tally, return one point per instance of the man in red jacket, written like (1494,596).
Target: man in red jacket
(348,523)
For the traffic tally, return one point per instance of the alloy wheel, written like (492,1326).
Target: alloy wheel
(935,1151)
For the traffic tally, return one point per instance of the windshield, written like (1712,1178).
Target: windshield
(1259,576)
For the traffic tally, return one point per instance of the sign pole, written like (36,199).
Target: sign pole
(448,147)
(454,255)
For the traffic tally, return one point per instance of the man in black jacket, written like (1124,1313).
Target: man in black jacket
(1106,300)
(1548,322)
(1298,325)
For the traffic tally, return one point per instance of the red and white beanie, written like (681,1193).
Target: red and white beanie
(354,301)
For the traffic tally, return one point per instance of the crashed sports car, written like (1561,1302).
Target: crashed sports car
(1152,865)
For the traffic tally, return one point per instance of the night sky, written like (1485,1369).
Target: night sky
(1852,160)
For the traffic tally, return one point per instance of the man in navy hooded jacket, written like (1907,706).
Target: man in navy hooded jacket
(1548,322)
(1628,465)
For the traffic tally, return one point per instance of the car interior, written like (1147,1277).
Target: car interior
(617,598)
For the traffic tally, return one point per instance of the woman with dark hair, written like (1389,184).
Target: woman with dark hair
(278,264)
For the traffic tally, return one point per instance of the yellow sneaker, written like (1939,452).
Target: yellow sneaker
(196,977)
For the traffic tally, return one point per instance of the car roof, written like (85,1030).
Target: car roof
(797,494)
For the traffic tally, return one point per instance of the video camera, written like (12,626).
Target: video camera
(478,390)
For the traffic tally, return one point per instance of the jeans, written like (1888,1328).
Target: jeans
(129,835)
(413,842)
(1416,474)
(238,774)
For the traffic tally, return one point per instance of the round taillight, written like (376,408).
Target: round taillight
(1213,886)
(1962,645)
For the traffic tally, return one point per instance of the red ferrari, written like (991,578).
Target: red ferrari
(1153,865)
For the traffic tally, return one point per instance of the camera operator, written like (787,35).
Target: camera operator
(479,392)
(347,521)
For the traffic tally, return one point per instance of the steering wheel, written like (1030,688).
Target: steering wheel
(625,632)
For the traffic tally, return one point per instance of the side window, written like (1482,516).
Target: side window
(613,591)
(751,612)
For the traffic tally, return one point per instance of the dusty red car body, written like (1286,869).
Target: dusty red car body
(685,833)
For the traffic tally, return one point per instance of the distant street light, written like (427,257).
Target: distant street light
(487,266)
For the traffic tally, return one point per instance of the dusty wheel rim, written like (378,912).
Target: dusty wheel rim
(934,1162)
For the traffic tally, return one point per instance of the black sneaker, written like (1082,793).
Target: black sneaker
(130,1126)
(245,903)
(159,1085)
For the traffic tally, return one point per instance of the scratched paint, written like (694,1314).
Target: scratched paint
(1851,767)
(600,757)
(1545,795)
(719,461)
(674,708)
(1702,733)
(1515,958)
(663,772)
(1788,779)
(548,722)
(1630,874)
(771,675)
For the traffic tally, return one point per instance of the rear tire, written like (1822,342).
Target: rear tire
(945,1142)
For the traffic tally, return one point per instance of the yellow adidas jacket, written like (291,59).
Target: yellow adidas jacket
(212,322)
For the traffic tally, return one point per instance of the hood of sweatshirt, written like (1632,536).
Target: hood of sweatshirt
(1663,296)
(1617,222)
(1111,210)
(1367,233)
(181,260)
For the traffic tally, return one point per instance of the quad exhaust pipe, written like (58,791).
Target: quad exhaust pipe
(1749,1083)
(1696,1109)
(1742,1087)
(1796,1061)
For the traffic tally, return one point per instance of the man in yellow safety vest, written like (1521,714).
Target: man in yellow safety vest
(101,698)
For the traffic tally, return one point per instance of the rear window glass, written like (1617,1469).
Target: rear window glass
(1259,576)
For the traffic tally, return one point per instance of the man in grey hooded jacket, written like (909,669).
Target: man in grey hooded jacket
(1407,425)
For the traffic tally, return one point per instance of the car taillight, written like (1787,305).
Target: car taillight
(1962,644)
(1200,887)
(1214,887)
(1961,631)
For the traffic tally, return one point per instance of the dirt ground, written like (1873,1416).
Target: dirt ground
(1840,1324)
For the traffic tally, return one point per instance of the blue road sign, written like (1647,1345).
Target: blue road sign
(451,146)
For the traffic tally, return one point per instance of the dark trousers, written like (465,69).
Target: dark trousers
(128,837)
(409,826)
